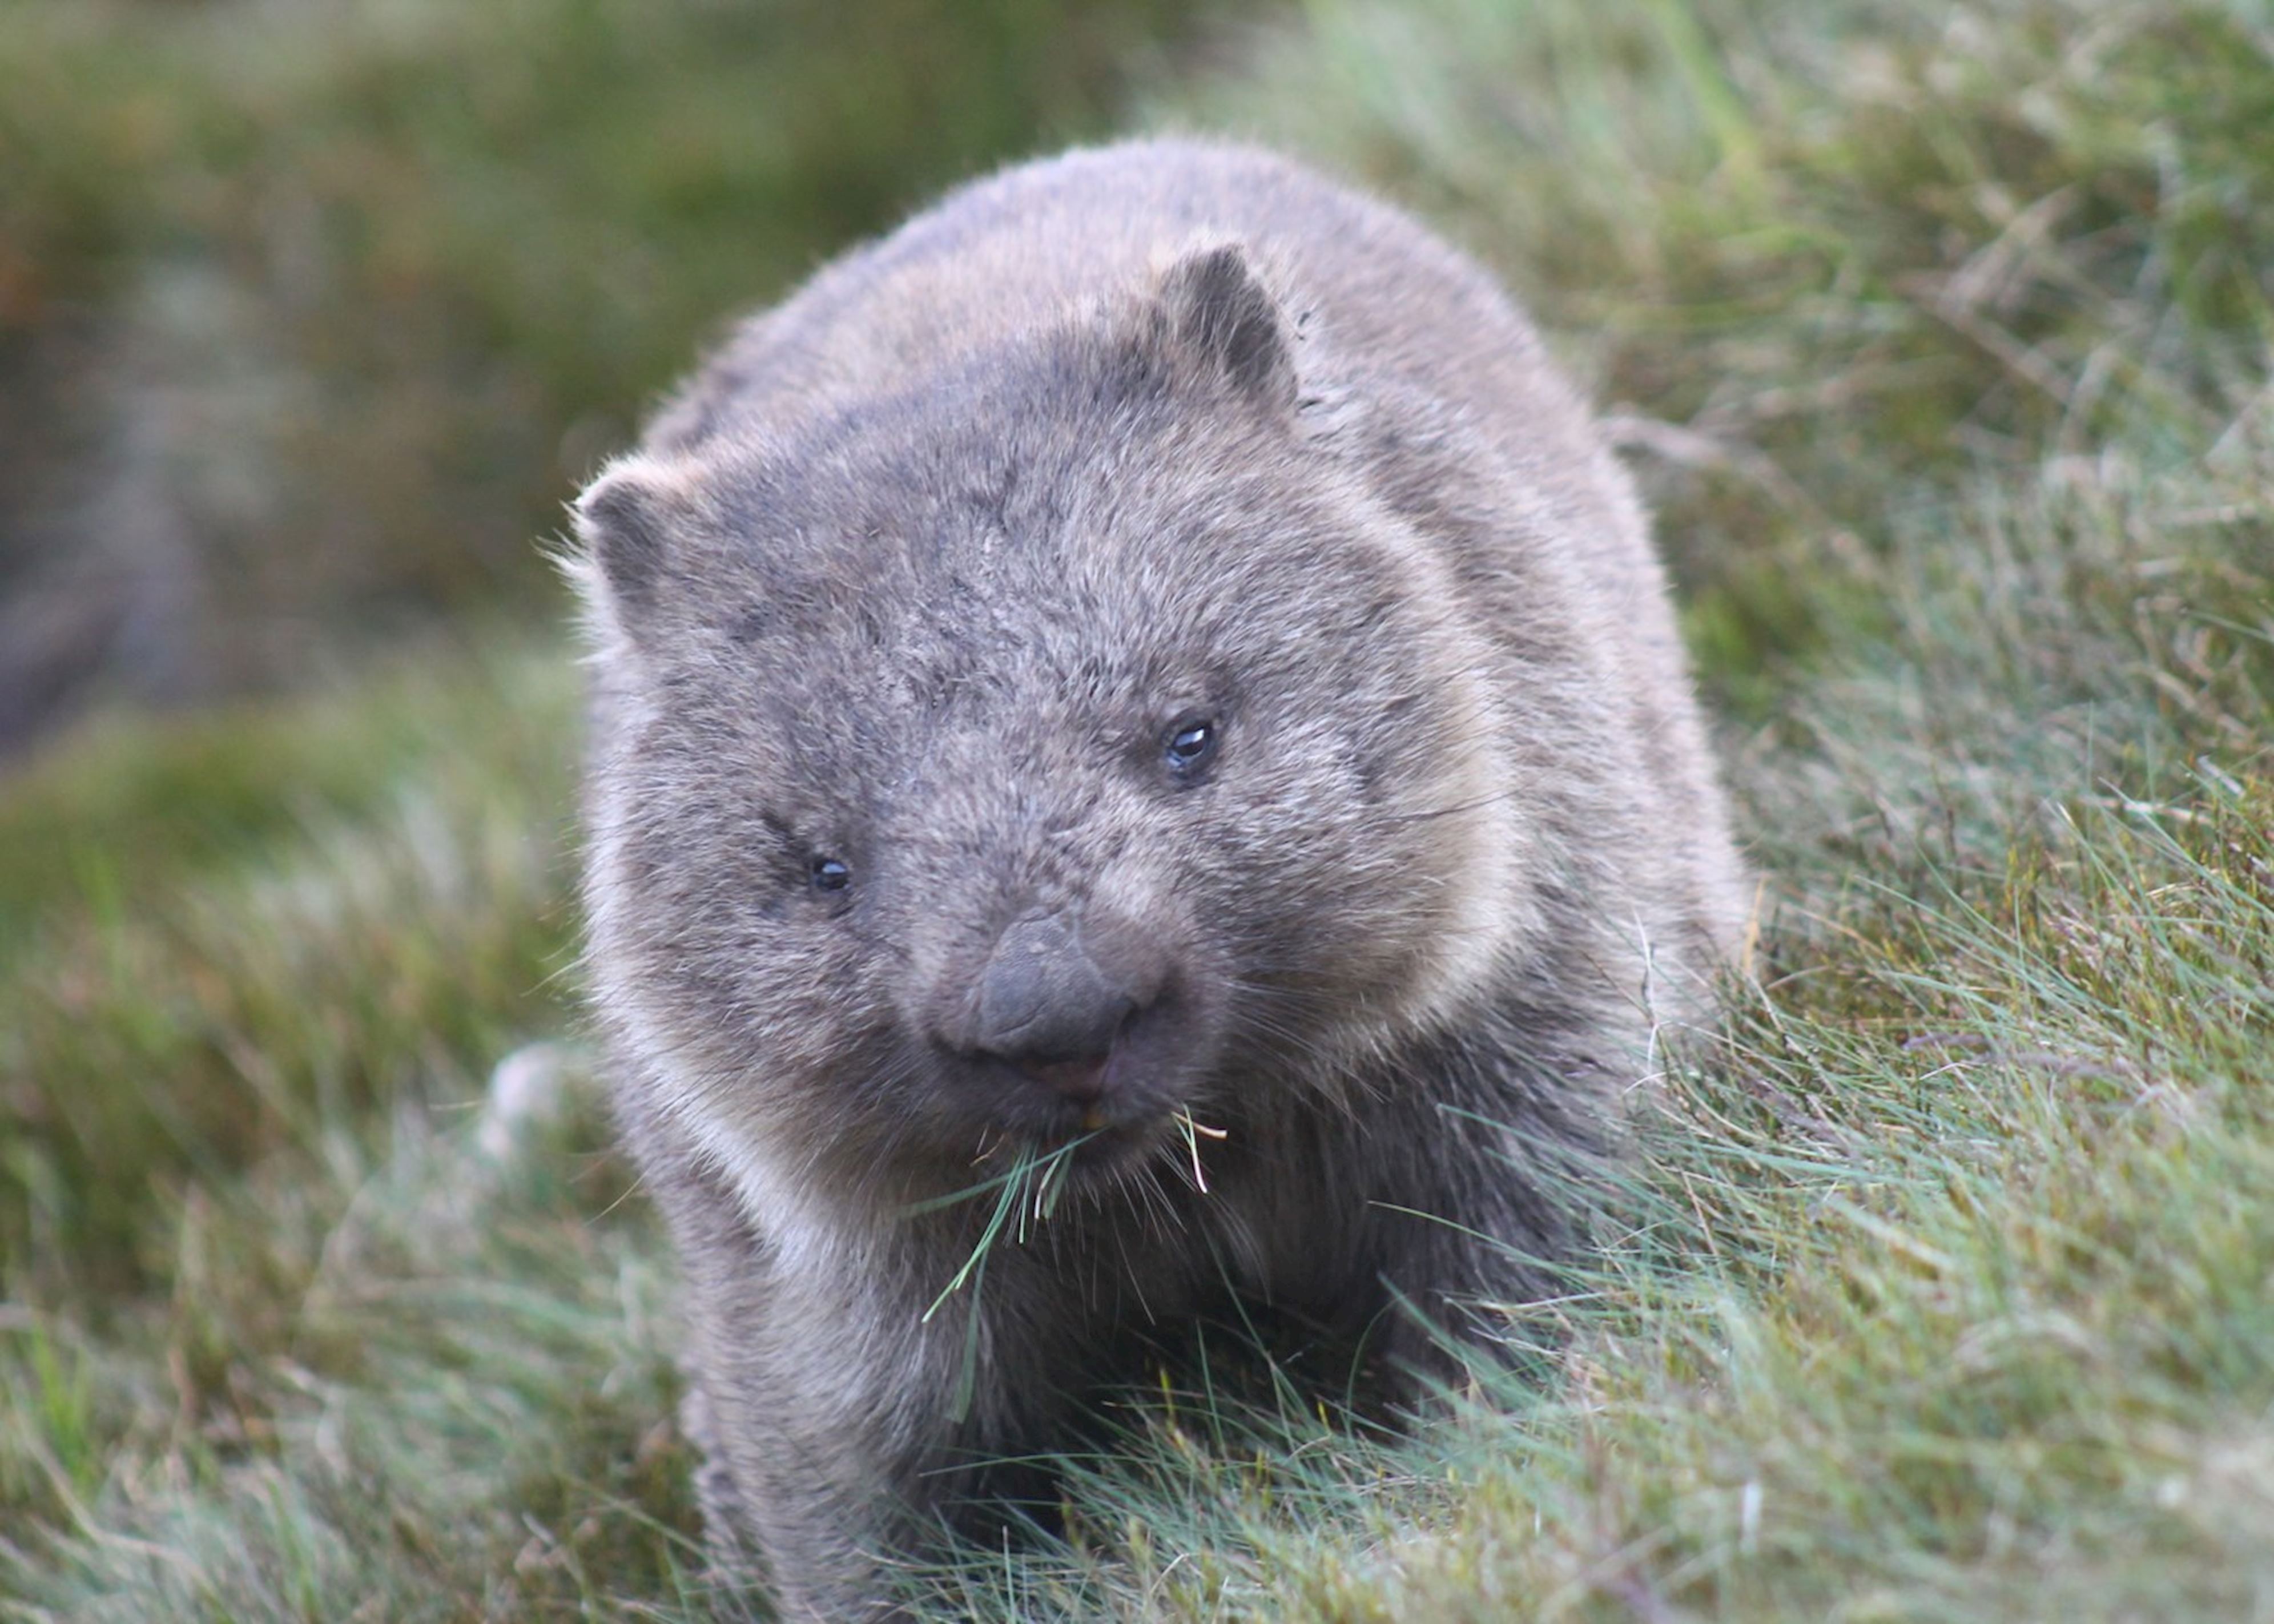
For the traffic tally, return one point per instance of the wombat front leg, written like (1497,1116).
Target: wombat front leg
(813,1479)
(1469,1244)
(808,1455)
(803,1418)
(834,1421)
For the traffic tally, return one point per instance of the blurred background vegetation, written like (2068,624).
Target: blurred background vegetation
(314,312)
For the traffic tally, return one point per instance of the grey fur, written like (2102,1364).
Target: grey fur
(921,574)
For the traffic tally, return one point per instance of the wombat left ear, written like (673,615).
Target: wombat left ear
(1220,309)
(626,519)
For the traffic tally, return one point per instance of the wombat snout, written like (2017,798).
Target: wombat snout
(1054,996)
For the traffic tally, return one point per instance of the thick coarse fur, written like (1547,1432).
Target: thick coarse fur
(1149,658)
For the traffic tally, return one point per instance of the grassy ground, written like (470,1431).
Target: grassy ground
(1942,336)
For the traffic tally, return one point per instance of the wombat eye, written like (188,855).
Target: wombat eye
(828,874)
(1189,743)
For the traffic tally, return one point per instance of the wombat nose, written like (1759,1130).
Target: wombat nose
(1045,1006)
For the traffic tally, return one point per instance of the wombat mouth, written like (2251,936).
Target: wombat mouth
(1114,1149)
(1111,1142)
(1109,1097)
(1099,1148)
(1080,1080)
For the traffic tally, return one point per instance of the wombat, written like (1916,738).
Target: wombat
(1141,701)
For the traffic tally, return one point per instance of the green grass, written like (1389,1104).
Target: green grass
(1947,1291)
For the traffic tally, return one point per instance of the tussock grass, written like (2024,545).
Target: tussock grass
(206,1004)
(1945,1287)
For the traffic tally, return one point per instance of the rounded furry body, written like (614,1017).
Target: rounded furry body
(1148,666)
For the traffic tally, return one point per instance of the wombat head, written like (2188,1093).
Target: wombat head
(1060,742)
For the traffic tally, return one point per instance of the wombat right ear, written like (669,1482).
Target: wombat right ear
(626,519)
(1220,309)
